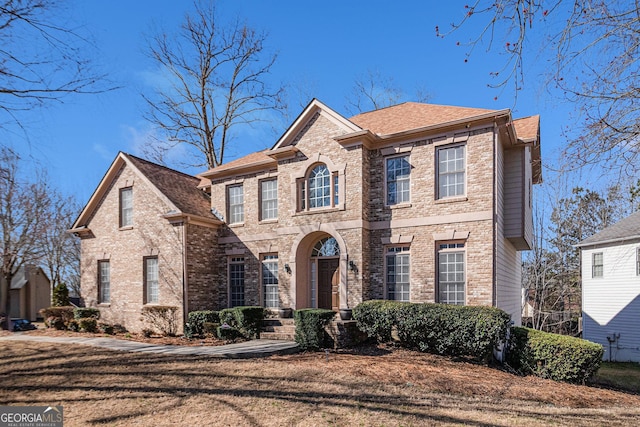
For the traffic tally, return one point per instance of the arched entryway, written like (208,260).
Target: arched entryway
(320,277)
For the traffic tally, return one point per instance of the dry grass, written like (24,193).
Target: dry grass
(376,387)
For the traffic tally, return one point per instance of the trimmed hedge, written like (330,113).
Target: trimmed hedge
(85,313)
(228,333)
(553,356)
(88,324)
(377,318)
(310,324)
(197,319)
(436,328)
(247,320)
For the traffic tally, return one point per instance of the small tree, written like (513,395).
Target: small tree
(60,297)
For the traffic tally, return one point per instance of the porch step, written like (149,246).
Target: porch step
(278,329)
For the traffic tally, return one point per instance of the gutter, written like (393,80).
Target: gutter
(606,242)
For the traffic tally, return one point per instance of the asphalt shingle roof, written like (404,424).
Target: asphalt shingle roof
(180,188)
(624,229)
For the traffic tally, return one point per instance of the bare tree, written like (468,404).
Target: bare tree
(40,60)
(594,49)
(373,91)
(23,210)
(217,80)
(61,250)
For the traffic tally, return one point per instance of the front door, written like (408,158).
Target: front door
(327,281)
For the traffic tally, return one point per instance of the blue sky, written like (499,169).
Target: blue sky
(323,46)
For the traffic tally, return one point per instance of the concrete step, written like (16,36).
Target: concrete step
(277,336)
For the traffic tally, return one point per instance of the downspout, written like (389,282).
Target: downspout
(494,260)
(185,292)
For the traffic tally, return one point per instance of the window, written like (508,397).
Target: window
(150,280)
(236,281)
(451,171)
(397,273)
(104,282)
(235,197)
(269,199)
(451,273)
(597,268)
(398,171)
(126,207)
(320,189)
(270,281)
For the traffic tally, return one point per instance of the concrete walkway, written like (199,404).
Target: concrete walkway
(247,349)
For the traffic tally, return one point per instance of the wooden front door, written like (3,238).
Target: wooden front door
(327,282)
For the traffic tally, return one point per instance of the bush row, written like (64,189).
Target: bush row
(435,328)
(553,356)
(77,319)
(229,323)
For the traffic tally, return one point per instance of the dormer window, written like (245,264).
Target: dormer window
(319,189)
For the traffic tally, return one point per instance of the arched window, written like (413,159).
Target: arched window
(326,247)
(319,189)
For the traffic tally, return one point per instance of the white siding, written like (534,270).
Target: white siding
(508,259)
(611,303)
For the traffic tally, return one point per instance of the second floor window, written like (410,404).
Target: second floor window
(269,199)
(451,171)
(235,197)
(126,207)
(398,171)
(598,265)
(319,189)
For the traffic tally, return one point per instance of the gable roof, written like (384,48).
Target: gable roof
(246,163)
(21,277)
(412,115)
(626,229)
(180,191)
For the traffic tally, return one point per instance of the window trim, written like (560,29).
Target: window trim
(438,150)
(299,184)
(405,250)
(230,216)
(597,274)
(270,258)
(261,200)
(302,190)
(236,260)
(406,155)
(638,261)
(458,246)
(121,207)
(145,283)
(101,299)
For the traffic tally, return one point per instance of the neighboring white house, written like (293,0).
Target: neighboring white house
(611,289)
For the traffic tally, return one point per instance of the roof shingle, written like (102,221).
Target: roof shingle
(180,188)
(626,228)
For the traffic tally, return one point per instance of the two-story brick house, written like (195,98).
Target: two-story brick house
(414,202)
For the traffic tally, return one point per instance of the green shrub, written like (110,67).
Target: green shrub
(553,356)
(247,320)
(163,318)
(106,328)
(210,328)
(84,313)
(228,333)
(435,328)
(88,324)
(310,324)
(73,325)
(377,318)
(62,316)
(196,321)
(60,296)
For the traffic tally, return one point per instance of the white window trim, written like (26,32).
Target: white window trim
(462,250)
(405,250)
(230,216)
(407,203)
(456,197)
(593,265)
(261,200)
(264,258)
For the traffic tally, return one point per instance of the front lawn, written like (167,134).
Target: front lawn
(621,376)
(374,386)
